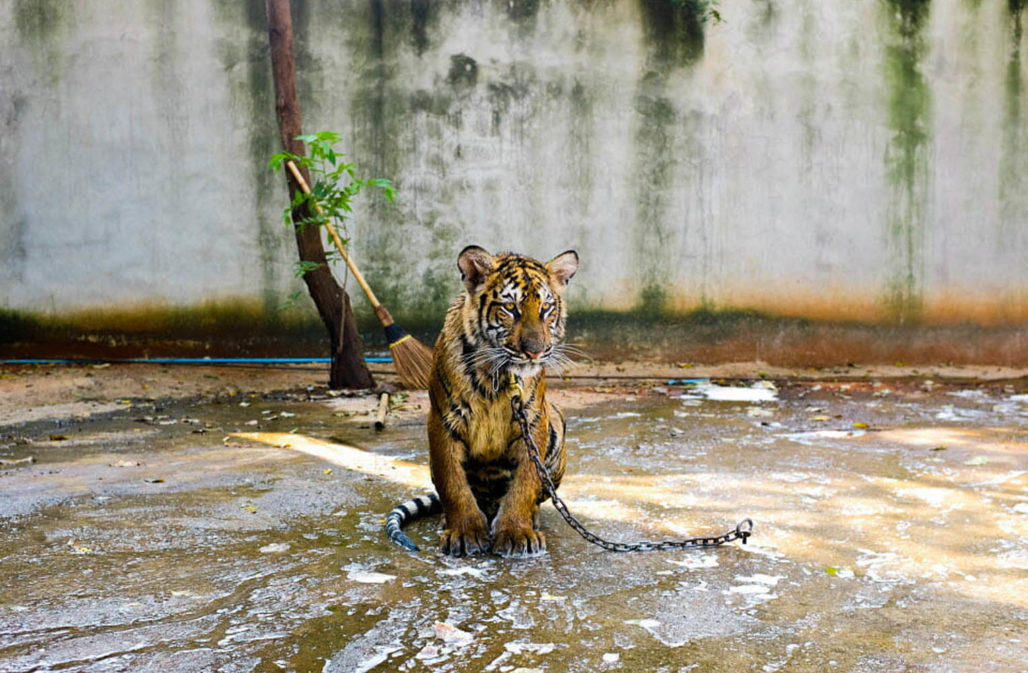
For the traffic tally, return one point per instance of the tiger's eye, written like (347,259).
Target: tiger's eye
(509,307)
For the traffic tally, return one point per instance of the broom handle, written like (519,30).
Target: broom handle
(380,311)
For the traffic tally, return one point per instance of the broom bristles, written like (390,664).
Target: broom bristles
(413,361)
(411,358)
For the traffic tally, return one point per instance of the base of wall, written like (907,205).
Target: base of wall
(711,337)
(699,337)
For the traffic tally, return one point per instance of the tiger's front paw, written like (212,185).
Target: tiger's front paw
(519,541)
(467,537)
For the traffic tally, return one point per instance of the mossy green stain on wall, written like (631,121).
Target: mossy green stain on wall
(907,155)
(42,25)
(522,15)
(463,73)
(522,10)
(675,29)
(652,300)
(378,105)
(1013,164)
(379,109)
(312,80)
(243,51)
(655,163)
(674,34)
(17,326)
(1013,80)
(580,156)
(422,14)
(13,251)
(263,140)
(440,281)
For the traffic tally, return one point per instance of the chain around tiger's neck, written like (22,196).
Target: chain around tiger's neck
(514,386)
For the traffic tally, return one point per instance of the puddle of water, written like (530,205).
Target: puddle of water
(761,391)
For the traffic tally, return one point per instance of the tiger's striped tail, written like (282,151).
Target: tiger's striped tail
(405,512)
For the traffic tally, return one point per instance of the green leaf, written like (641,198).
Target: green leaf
(280,158)
(334,186)
(303,267)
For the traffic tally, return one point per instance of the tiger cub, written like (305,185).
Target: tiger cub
(509,319)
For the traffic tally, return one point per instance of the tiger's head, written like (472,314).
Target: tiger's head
(515,308)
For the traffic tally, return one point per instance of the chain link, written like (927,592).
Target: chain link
(742,530)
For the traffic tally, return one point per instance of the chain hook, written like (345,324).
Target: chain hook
(744,529)
(514,387)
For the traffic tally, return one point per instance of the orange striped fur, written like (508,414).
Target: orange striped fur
(510,318)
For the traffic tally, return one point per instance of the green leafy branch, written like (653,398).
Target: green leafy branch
(334,187)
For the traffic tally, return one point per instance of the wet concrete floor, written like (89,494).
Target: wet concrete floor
(243,533)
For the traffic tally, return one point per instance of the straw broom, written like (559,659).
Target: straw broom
(412,359)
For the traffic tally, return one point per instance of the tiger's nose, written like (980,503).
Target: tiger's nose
(533,346)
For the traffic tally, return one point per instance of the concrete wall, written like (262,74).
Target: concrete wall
(862,160)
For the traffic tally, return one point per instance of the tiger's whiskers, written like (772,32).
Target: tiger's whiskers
(559,359)
(484,356)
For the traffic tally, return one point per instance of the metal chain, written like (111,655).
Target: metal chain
(742,530)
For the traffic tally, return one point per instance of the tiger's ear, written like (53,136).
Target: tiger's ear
(475,264)
(563,266)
